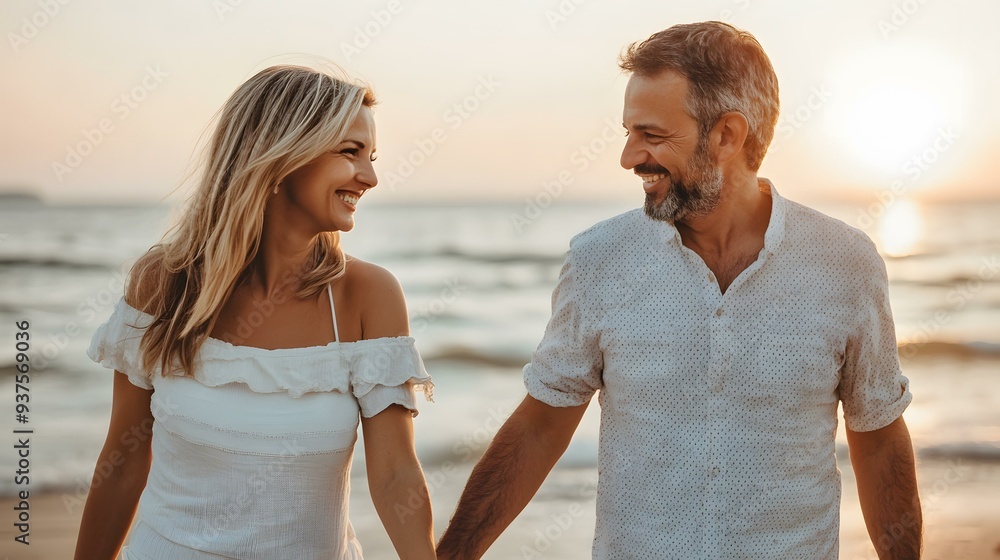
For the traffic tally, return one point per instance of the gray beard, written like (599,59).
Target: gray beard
(698,196)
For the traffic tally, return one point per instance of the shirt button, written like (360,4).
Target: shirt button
(718,312)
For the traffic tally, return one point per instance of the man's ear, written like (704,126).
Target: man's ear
(729,135)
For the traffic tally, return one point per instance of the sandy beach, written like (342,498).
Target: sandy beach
(961,517)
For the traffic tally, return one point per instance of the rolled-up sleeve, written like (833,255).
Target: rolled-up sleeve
(873,389)
(566,368)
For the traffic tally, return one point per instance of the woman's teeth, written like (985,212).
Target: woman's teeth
(348,198)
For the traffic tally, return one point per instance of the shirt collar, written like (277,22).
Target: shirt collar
(775,232)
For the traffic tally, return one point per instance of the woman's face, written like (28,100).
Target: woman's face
(326,190)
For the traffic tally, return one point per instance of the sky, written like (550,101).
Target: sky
(108,102)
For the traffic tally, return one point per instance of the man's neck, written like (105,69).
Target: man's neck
(739,221)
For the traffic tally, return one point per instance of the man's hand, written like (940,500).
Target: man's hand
(887,486)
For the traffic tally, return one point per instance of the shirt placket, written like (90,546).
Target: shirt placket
(716,375)
(720,344)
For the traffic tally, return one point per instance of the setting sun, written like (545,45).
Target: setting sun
(892,104)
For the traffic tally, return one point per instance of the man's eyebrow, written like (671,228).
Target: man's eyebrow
(648,128)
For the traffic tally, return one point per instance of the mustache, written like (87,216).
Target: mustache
(650,169)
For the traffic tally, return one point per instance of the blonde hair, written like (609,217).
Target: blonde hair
(277,121)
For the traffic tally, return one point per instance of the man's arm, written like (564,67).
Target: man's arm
(887,486)
(503,482)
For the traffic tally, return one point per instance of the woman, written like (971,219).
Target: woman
(247,346)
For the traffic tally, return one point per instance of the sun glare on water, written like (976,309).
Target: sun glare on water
(900,228)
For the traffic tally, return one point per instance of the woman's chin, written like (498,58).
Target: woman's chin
(343,225)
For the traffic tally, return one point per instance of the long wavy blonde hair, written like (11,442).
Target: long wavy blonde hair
(277,121)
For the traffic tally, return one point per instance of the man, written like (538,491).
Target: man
(721,327)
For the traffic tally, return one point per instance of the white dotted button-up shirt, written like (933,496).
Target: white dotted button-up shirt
(719,411)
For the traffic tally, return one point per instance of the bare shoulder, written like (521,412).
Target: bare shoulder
(144,287)
(383,306)
(365,277)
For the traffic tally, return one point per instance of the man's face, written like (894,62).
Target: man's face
(680,177)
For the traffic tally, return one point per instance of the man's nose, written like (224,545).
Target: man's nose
(632,154)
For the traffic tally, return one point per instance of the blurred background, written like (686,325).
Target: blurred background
(499,131)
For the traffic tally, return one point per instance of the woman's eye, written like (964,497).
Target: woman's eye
(374,156)
(350,151)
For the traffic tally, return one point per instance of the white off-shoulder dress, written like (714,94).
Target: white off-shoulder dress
(252,455)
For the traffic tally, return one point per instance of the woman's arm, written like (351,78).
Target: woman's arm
(397,483)
(395,478)
(120,474)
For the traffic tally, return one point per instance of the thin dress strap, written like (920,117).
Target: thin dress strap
(333,314)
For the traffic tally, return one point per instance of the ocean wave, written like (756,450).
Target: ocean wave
(494,358)
(55,262)
(937,348)
(946,282)
(986,451)
(491,256)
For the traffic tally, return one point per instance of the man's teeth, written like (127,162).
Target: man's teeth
(652,178)
(350,199)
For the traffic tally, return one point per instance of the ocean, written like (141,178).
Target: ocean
(478,281)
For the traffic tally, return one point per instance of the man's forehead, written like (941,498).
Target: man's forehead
(663,94)
(667,85)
